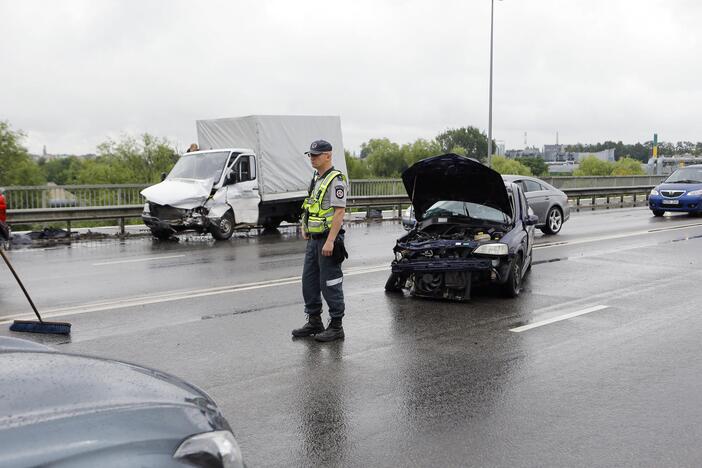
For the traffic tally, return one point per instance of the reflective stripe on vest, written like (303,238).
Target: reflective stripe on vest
(318,220)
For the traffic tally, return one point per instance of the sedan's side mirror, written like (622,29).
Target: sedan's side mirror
(163,176)
(531,220)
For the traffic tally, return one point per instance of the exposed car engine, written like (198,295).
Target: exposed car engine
(435,243)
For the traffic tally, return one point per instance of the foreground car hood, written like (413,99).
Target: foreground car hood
(454,177)
(179,193)
(58,406)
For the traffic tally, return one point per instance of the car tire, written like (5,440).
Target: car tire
(658,213)
(161,234)
(225,229)
(513,285)
(272,223)
(554,221)
(394,283)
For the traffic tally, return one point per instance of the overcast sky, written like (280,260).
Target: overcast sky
(73,73)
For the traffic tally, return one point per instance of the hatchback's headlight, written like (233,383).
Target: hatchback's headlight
(497,249)
(654,192)
(217,448)
(695,193)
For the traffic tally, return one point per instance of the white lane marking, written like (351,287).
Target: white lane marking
(616,236)
(179,296)
(135,260)
(558,319)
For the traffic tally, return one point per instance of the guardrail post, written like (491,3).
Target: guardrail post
(121,227)
(68,228)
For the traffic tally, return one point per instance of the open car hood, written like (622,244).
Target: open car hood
(179,193)
(454,177)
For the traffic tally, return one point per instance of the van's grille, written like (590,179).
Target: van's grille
(672,193)
(165,212)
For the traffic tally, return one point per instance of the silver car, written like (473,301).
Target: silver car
(548,203)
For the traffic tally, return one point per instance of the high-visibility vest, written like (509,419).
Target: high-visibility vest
(316,219)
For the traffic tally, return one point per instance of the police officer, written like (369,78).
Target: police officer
(322,219)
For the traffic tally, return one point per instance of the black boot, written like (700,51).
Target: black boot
(333,332)
(313,326)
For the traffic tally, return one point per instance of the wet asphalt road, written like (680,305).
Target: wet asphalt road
(416,382)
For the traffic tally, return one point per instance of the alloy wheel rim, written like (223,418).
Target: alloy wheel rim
(555,220)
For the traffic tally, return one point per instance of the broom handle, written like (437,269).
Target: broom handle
(9,265)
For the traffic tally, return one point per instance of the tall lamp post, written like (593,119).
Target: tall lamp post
(492,22)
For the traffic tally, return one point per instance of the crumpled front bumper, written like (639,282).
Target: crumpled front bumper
(493,270)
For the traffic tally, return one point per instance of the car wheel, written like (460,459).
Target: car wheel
(554,221)
(513,285)
(226,227)
(272,223)
(658,213)
(394,283)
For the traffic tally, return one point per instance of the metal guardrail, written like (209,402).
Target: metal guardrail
(39,204)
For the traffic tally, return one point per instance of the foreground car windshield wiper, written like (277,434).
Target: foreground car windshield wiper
(685,181)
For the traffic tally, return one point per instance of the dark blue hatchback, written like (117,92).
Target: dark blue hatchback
(681,192)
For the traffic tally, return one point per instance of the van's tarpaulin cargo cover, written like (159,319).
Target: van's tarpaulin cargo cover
(279,142)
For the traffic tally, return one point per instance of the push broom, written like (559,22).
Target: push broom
(34,326)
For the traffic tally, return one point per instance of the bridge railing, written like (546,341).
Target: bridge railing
(51,203)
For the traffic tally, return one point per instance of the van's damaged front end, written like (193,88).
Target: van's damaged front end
(466,232)
(180,205)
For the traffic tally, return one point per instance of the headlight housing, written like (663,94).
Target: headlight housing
(497,249)
(695,193)
(654,192)
(216,448)
(146,208)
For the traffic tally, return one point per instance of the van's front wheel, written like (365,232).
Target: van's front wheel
(225,229)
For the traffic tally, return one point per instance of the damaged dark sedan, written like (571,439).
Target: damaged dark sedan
(472,228)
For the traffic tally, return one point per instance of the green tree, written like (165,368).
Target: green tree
(628,166)
(16,166)
(129,160)
(470,139)
(384,158)
(357,168)
(62,171)
(593,166)
(509,166)
(420,149)
(537,166)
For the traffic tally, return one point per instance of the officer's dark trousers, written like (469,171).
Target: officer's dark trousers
(322,276)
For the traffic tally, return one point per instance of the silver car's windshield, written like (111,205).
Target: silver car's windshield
(686,175)
(199,166)
(467,210)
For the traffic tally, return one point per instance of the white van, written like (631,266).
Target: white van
(227,186)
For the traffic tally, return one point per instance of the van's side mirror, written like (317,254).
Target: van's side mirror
(163,176)
(231,177)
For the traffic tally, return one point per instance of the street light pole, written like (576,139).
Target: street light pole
(492,21)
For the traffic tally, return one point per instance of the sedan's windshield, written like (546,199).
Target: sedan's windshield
(467,210)
(201,166)
(686,175)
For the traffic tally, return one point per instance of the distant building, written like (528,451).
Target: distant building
(554,153)
(604,155)
(532,152)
